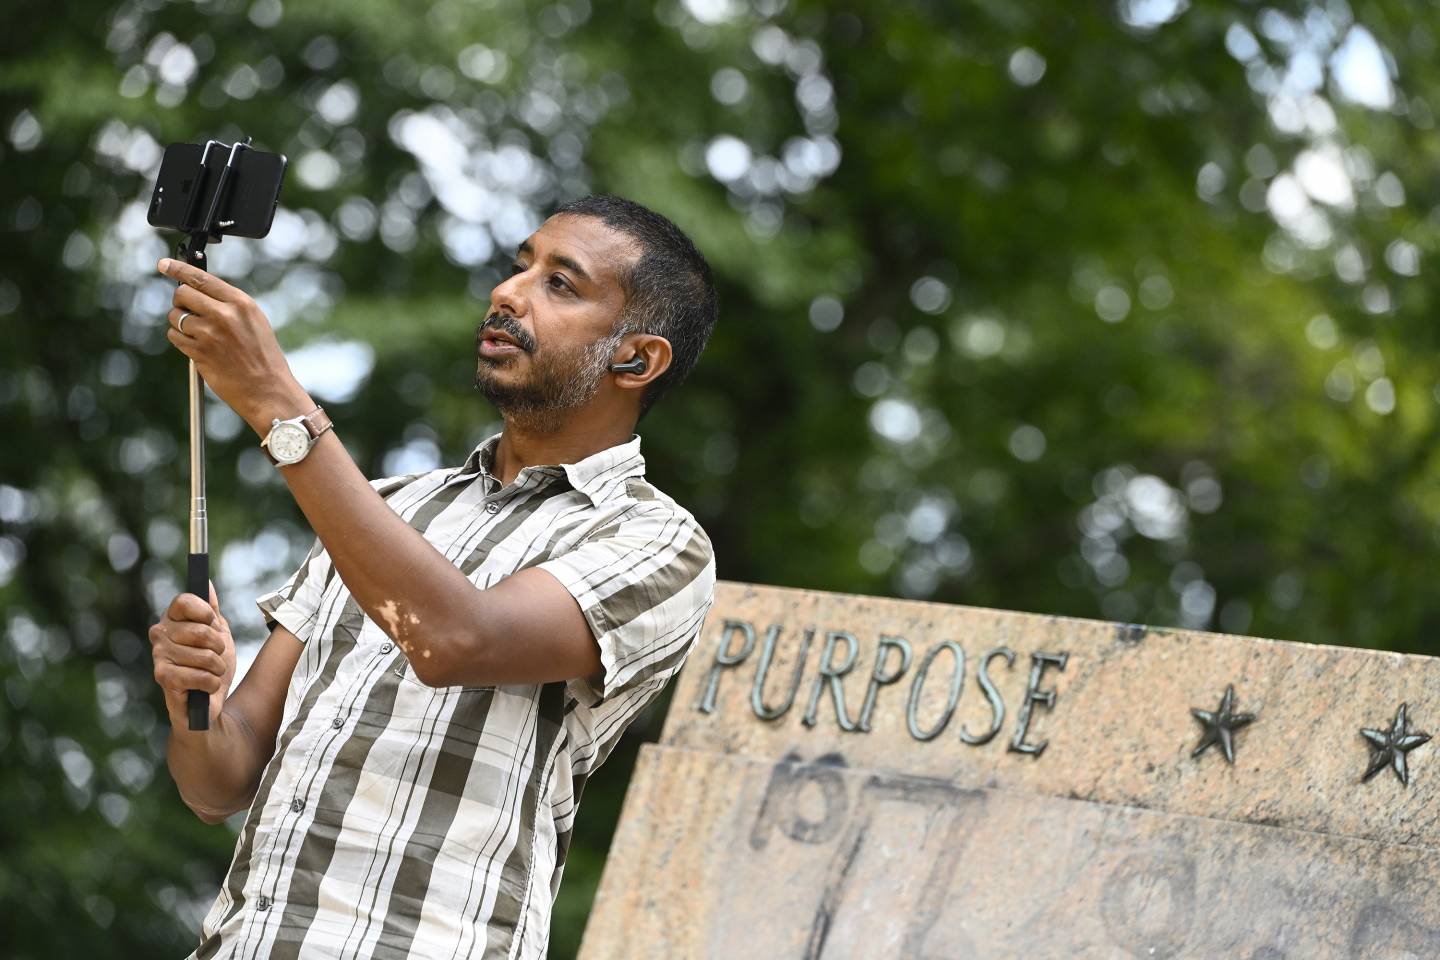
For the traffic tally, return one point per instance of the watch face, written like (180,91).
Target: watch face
(289,442)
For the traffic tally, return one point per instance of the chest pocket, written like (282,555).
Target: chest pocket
(462,708)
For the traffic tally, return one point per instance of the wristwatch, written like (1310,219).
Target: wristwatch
(290,440)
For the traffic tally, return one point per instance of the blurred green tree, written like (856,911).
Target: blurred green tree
(1104,311)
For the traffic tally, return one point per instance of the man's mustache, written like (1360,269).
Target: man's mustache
(511,326)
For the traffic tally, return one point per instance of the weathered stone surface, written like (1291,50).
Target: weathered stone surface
(821,798)
(1120,731)
(721,857)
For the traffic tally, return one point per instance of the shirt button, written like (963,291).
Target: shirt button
(492,508)
(263,903)
(297,804)
(338,722)
(386,647)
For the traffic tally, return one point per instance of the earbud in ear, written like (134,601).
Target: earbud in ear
(629,366)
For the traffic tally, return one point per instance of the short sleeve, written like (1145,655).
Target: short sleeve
(644,583)
(296,603)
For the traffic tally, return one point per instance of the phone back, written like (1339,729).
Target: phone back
(184,190)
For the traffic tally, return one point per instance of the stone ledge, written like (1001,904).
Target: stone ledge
(1120,729)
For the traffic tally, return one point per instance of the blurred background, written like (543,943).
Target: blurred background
(1108,310)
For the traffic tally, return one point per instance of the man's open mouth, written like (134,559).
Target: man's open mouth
(493,344)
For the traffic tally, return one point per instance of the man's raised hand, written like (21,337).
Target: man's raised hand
(233,346)
(193,650)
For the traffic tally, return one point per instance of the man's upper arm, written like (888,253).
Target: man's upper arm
(621,608)
(535,633)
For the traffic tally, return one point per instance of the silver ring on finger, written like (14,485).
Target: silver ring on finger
(180,324)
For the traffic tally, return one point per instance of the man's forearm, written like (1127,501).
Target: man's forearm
(417,596)
(216,770)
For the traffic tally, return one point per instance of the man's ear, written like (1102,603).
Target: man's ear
(653,349)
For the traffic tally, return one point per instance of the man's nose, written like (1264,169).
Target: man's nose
(508,296)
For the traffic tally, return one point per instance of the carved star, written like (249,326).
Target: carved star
(1220,724)
(1388,747)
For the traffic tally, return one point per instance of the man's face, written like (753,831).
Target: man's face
(559,305)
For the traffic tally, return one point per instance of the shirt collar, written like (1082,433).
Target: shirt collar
(591,476)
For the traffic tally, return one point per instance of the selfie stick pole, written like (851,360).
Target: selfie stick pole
(197,572)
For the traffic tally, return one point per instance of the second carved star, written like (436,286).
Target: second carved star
(1220,725)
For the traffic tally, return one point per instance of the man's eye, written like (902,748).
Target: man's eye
(557,282)
(516,268)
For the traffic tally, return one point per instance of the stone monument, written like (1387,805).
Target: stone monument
(844,776)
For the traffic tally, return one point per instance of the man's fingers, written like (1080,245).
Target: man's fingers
(188,607)
(200,658)
(178,340)
(197,302)
(167,635)
(192,322)
(220,620)
(195,635)
(197,279)
(177,678)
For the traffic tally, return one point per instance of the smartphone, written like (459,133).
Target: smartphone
(189,176)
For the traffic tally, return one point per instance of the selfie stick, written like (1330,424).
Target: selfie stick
(192,251)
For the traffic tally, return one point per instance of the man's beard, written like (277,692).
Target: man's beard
(558,384)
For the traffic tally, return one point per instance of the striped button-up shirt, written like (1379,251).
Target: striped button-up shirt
(402,820)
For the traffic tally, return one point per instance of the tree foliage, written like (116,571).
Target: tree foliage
(1104,311)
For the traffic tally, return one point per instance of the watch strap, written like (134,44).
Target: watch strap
(317,421)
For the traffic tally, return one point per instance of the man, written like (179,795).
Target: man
(462,648)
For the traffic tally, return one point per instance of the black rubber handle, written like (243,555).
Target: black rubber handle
(197,581)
